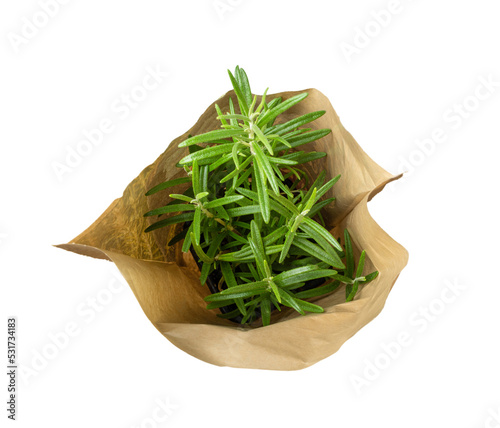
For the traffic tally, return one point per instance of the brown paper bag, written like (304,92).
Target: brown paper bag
(166,281)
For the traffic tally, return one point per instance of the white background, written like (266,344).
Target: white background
(391,88)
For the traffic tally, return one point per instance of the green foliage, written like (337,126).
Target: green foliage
(249,215)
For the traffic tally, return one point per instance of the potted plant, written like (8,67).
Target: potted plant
(251,216)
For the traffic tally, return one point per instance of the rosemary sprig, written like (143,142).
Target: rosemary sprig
(249,216)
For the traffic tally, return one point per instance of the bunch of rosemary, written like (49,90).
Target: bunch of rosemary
(249,214)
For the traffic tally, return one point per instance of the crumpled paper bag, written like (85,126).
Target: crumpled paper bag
(166,281)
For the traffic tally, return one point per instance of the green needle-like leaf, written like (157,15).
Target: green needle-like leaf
(302,274)
(275,290)
(186,245)
(204,178)
(343,279)
(248,257)
(223,201)
(233,122)
(212,250)
(262,102)
(170,209)
(234,153)
(326,187)
(243,290)
(199,251)
(297,271)
(304,138)
(286,246)
(195,176)
(289,301)
(351,290)
(177,238)
(234,116)
(319,206)
(316,251)
(194,148)
(208,153)
(309,157)
(197,225)
(263,195)
(212,136)
(272,204)
(181,218)
(295,123)
(265,167)
(320,179)
(320,230)
(270,115)
(257,247)
(244,85)
(167,184)
(284,202)
(265,310)
(235,295)
(318,291)
(281,161)
(310,202)
(230,280)
(214,164)
(236,171)
(361,264)
(252,106)
(267,241)
(370,277)
(241,211)
(257,239)
(349,272)
(220,116)
(201,195)
(307,306)
(239,94)
(273,103)
(308,276)
(262,138)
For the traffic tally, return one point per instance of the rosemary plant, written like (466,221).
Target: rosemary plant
(249,214)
